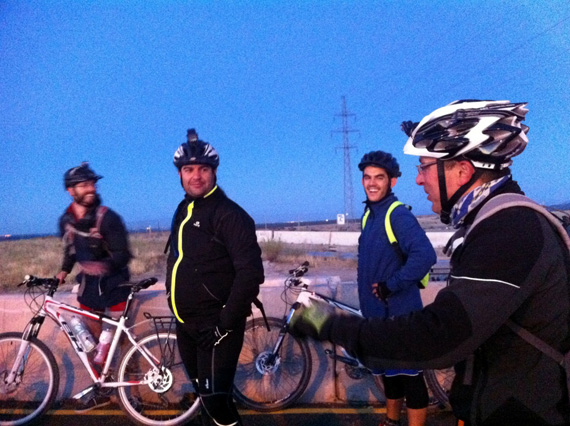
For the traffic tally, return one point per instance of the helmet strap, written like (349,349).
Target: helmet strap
(448,203)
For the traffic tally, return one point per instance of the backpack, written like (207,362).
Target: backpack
(392,237)
(94,232)
(561,222)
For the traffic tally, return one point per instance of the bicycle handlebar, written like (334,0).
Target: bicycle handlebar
(300,270)
(53,283)
(31,281)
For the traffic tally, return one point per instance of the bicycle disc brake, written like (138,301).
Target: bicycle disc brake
(8,388)
(267,363)
(159,379)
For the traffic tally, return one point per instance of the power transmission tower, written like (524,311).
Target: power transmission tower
(346,147)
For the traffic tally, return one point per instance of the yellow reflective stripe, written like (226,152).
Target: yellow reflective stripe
(180,256)
(388,223)
(365,218)
(210,193)
(392,238)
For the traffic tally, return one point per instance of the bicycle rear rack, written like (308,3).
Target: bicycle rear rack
(166,323)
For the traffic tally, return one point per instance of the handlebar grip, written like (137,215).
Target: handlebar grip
(147,283)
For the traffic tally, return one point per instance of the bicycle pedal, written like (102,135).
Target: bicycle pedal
(348,361)
(84,392)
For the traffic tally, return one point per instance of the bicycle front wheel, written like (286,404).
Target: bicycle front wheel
(167,397)
(267,383)
(34,389)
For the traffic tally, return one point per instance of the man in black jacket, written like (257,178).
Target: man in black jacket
(511,265)
(214,270)
(95,239)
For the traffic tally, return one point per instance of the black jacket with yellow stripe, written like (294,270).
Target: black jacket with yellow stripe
(214,266)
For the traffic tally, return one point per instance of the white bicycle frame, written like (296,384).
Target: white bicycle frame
(56,310)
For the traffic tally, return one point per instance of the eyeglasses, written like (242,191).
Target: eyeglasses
(86,184)
(422,167)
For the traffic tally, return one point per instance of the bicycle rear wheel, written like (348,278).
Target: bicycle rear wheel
(168,398)
(439,383)
(35,388)
(265,384)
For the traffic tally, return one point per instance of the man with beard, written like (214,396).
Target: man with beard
(95,238)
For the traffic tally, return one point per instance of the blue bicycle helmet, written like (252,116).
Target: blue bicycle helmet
(79,174)
(196,151)
(381,159)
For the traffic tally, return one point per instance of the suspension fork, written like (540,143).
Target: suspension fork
(284,329)
(31,331)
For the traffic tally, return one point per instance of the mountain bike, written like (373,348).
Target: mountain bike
(275,367)
(151,381)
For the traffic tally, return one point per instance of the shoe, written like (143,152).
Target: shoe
(91,402)
(390,422)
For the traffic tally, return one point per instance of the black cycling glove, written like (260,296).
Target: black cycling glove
(381,291)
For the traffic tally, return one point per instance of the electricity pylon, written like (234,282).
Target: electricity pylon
(346,147)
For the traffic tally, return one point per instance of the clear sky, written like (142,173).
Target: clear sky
(117,83)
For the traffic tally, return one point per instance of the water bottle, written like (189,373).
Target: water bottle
(103,346)
(85,338)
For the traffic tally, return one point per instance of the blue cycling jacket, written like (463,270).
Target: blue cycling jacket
(378,261)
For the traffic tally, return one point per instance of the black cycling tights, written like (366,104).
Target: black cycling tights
(214,370)
(413,388)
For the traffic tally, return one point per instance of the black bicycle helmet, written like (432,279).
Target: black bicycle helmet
(79,174)
(381,159)
(489,133)
(196,151)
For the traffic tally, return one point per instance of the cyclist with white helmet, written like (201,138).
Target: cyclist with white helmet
(512,265)
(214,270)
(389,275)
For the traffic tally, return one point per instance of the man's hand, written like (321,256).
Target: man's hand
(313,321)
(381,291)
(211,336)
(61,277)
(93,268)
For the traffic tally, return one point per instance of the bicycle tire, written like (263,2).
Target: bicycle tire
(170,399)
(26,402)
(438,383)
(264,387)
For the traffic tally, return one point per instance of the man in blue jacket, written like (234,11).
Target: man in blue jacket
(389,275)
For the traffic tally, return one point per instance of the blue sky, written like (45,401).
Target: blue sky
(117,83)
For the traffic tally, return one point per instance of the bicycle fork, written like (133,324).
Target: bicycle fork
(268,361)
(14,376)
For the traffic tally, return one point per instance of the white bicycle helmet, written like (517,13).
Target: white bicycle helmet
(489,133)
(196,151)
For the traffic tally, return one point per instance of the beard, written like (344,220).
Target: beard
(85,200)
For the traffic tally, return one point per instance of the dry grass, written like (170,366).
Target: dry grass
(38,256)
(42,257)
